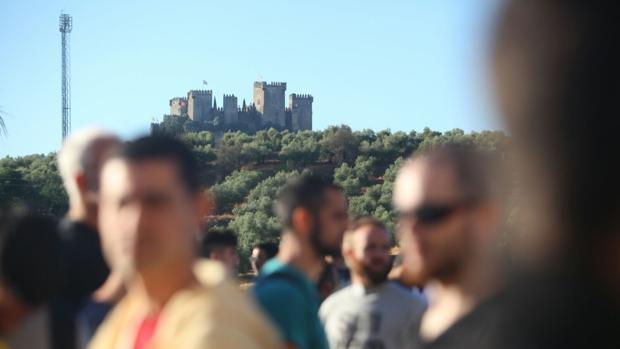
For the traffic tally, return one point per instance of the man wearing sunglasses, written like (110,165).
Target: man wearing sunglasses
(450,206)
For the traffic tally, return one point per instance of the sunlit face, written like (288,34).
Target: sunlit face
(333,220)
(438,249)
(368,253)
(148,220)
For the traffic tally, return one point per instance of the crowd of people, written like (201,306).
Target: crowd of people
(131,267)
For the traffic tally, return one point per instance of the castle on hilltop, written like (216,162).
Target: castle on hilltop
(267,109)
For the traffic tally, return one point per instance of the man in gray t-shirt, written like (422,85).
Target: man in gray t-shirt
(372,312)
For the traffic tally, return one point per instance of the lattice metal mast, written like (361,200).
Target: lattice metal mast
(65,25)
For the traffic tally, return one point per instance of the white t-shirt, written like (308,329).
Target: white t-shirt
(382,317)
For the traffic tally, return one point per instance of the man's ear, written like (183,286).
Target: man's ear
(80,181)
(301,220)
(347,253)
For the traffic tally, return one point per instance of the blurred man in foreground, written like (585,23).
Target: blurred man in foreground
(29,274)
(75,316)
(221,247)
(450,204)
(556,67)
(313,213)
(372,312)
(150,215)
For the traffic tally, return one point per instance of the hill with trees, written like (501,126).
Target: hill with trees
(245,171)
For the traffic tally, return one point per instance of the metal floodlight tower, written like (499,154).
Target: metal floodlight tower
(65,25)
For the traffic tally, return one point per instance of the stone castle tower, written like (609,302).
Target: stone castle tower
(200,105)
(230,110)
(269,102)
(300,107)
(178,106)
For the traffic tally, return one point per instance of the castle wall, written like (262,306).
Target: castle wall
(288,122)
(268,108)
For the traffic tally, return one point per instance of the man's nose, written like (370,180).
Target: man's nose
(135,218)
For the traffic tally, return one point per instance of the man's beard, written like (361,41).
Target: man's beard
(375,276)
(321,248)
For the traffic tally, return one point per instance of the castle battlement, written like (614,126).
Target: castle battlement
(177,100)
(263,84)
(277,84)
(200,92)
(230,96)
(298,97)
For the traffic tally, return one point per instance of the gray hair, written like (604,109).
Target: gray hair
(80,155)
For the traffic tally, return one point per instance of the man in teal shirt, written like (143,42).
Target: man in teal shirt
(314,217)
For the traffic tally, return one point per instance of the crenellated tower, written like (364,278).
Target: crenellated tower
(300,106)
(231,110)
(269,100)
(200,105)
(178,106)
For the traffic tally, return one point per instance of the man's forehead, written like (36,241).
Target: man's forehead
(137,174)
(114,171)
(424,180)
(333,197)
(369,232)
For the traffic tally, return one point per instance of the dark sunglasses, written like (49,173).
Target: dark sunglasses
(431,213)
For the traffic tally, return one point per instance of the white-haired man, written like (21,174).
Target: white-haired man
(74,315)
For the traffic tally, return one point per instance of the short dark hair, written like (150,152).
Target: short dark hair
(306,191)
(160,147)
(214,241)
(269,248)
(29,256)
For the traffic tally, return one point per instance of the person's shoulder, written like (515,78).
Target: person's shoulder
(396,290)
(338,297)
(112,326)
(220,313)
(71,231)
(408,298)
(278,288)
(334,301)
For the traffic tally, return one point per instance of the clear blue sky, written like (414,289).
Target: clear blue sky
(401,65)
